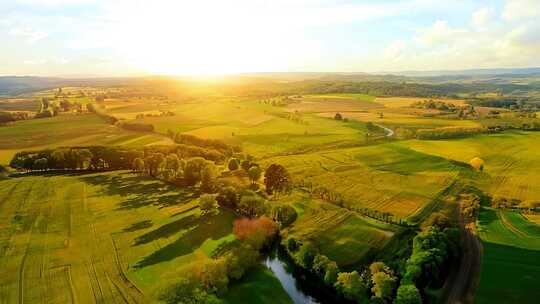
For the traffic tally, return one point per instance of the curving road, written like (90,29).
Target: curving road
(389,132)
(463,282)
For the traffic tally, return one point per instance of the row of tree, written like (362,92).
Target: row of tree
(377,284)
(206,280)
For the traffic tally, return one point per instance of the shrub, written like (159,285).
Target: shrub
(408,294)
(227,197)
(207,203)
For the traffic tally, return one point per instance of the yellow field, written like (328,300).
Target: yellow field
(403,102)
(511,160)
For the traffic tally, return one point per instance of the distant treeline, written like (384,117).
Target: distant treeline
(6,117)
(114,158)
(376,88)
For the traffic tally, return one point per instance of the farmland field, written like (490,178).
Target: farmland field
(380,177)
(511,250)
(103,237)
(66,130)
(344,237)
(511,161)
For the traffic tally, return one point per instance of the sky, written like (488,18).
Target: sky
(203,37)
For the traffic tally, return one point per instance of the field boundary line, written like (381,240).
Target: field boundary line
(508,225)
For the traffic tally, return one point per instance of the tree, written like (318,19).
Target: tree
(383,284)
(84,157)
(227,197)
(173,163)
(331,273)
(209,175)
(233,164)
(477,164)
(40,164)
(351,286)
(283,214)
(246,164)
(153,163)
(383,280)
(437,219)
(251,205)
(207,203)
(58,158)
(319,264)
(138,165)
(240,259)
(187,291)
(213,275)
(306,255)
(255,232)
(277,179)
(408,294)
(338,116)
(192,171)
(254,174)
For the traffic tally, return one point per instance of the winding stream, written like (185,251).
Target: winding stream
(287,280)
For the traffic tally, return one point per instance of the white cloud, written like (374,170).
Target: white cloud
(439,33)
(31,36)
(482,18)
(35,62)
(395,50)
(516,10)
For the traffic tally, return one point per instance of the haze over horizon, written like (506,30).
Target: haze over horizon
(134,38)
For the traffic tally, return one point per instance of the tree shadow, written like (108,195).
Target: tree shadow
(138,226)
(198,230)
(140,191)
(167,230)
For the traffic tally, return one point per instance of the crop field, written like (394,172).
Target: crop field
(66,130)
(381,177)
(343,236)
(105,238)
(335,103)
(403,102)
(19,104)
(511,160)
(262,129)
(511,261)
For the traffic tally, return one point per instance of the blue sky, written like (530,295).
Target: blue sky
(121,37)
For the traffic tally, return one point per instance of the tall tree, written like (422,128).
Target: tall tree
(277,179)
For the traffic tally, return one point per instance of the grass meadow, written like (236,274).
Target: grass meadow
(511,260)
(66,130)
(105,237)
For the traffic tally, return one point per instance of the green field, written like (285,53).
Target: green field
(66,130)
(511,260)
(343,236)
(257,286)
(382,177)
(106,237)
(511,160)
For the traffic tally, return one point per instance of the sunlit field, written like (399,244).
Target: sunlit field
(270,152)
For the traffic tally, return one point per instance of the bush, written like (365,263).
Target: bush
(207,203)
(227,197)
(408,294)
(283,214)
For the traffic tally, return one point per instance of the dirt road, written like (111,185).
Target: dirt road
(463,282)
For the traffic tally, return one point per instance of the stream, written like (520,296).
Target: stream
(302,287)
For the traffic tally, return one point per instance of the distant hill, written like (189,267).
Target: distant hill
(12,85)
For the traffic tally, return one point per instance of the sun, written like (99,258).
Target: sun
(187,38)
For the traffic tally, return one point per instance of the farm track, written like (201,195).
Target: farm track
(462,284)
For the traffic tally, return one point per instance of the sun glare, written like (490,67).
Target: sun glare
(177,38)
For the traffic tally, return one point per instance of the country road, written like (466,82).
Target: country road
(389,132)
(463,282)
